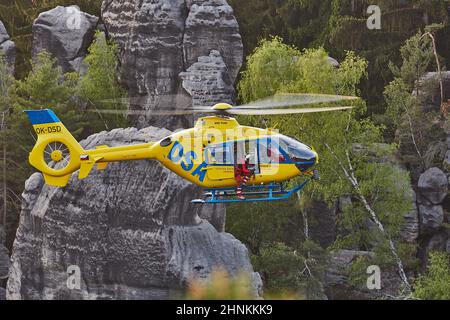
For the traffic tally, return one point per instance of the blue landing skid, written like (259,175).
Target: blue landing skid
(270,192)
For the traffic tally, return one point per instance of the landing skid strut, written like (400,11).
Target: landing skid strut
(270,192)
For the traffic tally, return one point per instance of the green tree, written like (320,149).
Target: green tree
(292,270)
(345,142)
(265,75)
(299,22)
(435,283)
(46,87)
(405,96)
(99,87)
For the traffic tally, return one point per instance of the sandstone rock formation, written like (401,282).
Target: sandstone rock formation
(410,228)
(162,39)
(208,81)
(7,47)
(322,222)
(211,24)
(65,32)
(338,284)
(130,229)
(433,185)
(433,189)
(4,256)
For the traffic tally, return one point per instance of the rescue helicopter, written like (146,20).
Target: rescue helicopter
(207,154)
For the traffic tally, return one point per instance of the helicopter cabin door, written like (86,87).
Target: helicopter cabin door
(247,148)
(220,161)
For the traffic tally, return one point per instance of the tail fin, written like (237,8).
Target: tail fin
(56,152)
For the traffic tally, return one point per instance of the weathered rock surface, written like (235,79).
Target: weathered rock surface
(65,32)
(4,256)
(431,217)
(432,92)
(2,294)
(433,185)
(437,242)
(410,227)
(160,40)
(208,81)
(131,230)
(211,24)
(4,262)
(435,155)
(7,47)
(339,287)
(322,223)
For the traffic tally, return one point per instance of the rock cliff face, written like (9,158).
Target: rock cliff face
(4,256)
(161,40)
(208,81)
(65,32)
(340,287)
(130,230)
(7,47)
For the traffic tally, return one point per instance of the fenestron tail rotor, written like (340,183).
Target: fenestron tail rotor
(285,103)
(56,155)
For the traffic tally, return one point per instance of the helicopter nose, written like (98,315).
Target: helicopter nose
(316,156)
(308,160)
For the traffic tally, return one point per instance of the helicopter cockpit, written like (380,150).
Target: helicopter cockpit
(277,149)
(299,153)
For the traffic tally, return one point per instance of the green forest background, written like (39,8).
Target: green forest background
(381,66)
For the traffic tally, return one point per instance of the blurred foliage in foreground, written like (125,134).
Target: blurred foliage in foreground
(220,286)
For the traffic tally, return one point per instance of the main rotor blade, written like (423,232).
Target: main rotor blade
(151,113)
(255,112)
(294,99)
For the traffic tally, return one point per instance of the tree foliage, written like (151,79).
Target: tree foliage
(344,140)
(340,26)
(99,87)
(435,283)
(405,96)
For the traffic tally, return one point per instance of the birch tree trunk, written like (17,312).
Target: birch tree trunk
(349,174)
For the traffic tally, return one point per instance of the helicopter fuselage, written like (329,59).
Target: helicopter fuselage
(208,154)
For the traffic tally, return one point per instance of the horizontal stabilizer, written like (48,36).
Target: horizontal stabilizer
(87,165)
(102,165)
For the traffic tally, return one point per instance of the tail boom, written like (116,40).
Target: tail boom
(57,154)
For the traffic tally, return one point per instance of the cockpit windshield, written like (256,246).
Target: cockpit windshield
(296,150)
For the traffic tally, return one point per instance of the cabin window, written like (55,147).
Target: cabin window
(270,151)
(219,155)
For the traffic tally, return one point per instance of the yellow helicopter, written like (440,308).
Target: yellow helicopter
(207,155)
